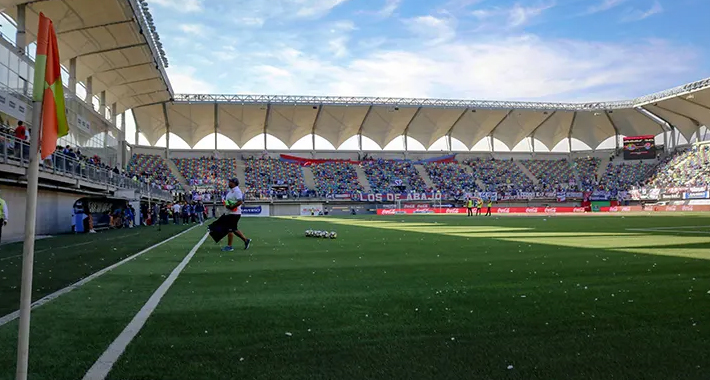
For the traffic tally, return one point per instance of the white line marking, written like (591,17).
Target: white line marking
(103,365)
(14,315)
(72,246)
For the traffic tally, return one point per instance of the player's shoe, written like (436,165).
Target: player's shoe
(227,249)
(247,244)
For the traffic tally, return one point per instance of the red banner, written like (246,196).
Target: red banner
(542,210)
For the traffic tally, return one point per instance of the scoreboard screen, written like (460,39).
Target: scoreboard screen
(639,148)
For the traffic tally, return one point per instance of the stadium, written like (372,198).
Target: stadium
(458,238)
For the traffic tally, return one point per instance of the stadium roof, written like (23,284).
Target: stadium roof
(336,119)
(113,41)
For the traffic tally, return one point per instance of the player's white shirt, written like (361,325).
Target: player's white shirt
(176,208)
(235,195)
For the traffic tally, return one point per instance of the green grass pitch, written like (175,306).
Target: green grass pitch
(400,297)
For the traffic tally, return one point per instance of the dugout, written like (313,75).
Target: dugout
(97,210)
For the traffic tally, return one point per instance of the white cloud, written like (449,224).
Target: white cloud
(434,29)
(389,8)
(183,6)
(315,8)
(250,21)
(604,5)
(519,15)
(184,81)
(196,29)
(638,15)
(523,68)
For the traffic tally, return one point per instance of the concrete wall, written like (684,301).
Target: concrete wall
(54,210)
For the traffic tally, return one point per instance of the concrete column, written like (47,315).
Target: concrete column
(20,36)
(90,91)
(102,104)
(72,75)
(113,113)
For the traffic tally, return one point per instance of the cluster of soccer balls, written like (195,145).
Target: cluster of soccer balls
(321,234)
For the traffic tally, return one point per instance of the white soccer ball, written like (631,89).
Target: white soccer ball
(333,234)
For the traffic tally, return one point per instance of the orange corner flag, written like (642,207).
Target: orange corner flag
(48,88)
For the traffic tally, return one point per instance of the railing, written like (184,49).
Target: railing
(15,151)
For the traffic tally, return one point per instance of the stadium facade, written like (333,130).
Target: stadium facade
(114,63)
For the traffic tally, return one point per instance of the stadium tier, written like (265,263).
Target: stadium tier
(451,177)
(499,174)
(689,167)
(390,176)
(207,171)
(335,178)
(154,169)
(261,174)
(626,175)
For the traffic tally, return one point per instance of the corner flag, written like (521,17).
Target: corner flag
(48,88)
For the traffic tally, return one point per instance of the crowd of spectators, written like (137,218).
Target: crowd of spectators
(626,175)
(152,169)
(390,176)
(451,178)
(207,171)
(267,178)
(689,167)
(499,174)
(335,178)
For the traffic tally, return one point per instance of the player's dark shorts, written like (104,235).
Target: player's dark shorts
(231,221)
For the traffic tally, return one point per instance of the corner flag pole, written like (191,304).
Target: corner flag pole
(28,251)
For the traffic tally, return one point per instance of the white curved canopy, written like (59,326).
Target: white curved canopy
(336,119)
(111,42)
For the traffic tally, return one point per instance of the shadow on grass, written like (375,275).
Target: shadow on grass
(380,303)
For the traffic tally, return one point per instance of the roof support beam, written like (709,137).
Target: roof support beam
(216,124)
(662,122)
(406,129)
(362,125)
(266,121)
(147,93)
(532,133)
(138,127)
(132,82)
(569,133)
(613,125)
(499,124)
(122,67)
(149,104)
(697,123)
(102,51)
(313,129)
(94,27)
(694,103)
(451,129)
(167,131)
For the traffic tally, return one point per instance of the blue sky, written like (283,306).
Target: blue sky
(560,50)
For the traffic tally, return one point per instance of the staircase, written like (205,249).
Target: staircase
(527,172)
(176,172)
(308,178)
(425,176)
(481,185)
(362,178)
(601,170)
(240,173)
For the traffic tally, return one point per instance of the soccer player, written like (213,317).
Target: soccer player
(235,199)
